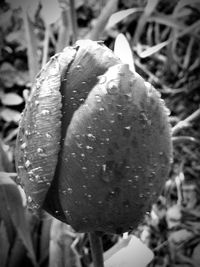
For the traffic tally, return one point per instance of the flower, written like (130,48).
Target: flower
(94,143)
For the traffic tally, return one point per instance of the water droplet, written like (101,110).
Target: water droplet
(84,186)
(72,98)
(23,146)
(127,131)
(84,83)
(37,102)
(98,98)
(74,91)
(136,177)
(101,109)
(112,87)
(41,152)
(89,148)
(130,181)
(73,154)
(78,67)
(141,195)
(100,202)
(27,133)
(45,112)
(82,155)
(37,178)
(48,135)
(69,190)
(89,196)
(27,163)
(84,168)
(81,100)
(112,121)
(91,137)
(64,192)
(127,167)
(102,79)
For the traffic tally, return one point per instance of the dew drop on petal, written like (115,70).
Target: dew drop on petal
(89,148)
(73,154)
(48,135)
(98,98)
(45,112)
(91,137)
(78,67)
(112,87)
(69,190)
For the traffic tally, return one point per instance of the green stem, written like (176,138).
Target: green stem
(97,249)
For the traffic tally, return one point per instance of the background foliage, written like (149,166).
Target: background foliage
(163,38)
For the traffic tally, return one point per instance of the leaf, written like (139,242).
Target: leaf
(4,244)
(11,202)
(28,5)
(152,50)
(119,16)
(50,11)
(60,251)
(9,115)
(45,237)
(123,51)
(135,252)
(11,99)
(150,7)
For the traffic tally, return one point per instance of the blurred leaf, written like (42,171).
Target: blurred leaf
(11,99)
(167,20)
(5,20)
(28,5)
(4,244)
(50,11)
(61,252)
(123,51)
(18,255)
(119,16)
(184,3)
(17,38)
(33,62)
(45,237)
(150,7)
(9,115)
(11,76)
(11,201)
(151,50)
(5,163)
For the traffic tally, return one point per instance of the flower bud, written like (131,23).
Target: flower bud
(94,144)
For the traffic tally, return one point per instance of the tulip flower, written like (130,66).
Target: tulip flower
(94,143)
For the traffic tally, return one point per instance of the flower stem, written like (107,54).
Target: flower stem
(97,249)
